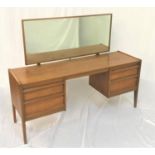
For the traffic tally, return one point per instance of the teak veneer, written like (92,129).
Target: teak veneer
(41,90)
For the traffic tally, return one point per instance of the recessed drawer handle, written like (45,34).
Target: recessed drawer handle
(43,98)
(125,69)
(124,78)
(42,87)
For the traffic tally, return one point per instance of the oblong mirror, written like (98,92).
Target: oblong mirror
(48,39)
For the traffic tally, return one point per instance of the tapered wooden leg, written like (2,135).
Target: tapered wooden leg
(14,114)
(135,98)
(24,132)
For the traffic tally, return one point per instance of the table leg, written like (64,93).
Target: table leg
(24,131)
(135,98)
(14,114)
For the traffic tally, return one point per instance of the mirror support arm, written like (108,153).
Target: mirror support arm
(38,64)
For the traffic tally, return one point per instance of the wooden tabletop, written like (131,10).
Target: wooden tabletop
(71,68)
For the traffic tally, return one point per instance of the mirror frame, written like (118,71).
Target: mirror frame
(62,54)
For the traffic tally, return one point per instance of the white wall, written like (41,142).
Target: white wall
(133,31)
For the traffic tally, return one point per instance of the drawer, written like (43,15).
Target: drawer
(44,90)
(122,85)
(124,72)
(44,106)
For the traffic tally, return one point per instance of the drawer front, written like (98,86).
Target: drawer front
(124,72)
(123,85)
(44,90)
(44,106)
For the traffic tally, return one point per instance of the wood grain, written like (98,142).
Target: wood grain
(71,69)
(37,91)
(43,106)
(123,72)
(123,75)
(123,85)
(100,82)
(45,90)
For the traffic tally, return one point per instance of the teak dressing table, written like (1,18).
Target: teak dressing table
(80,42)
(40,90)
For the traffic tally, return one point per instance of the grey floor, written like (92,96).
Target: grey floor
(91,120)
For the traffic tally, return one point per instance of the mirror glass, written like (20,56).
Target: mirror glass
(65,37)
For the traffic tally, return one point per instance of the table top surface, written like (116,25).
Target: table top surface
(68,69)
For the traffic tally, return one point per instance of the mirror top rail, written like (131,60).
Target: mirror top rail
(62,17)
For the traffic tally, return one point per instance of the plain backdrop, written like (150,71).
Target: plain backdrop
(133,32)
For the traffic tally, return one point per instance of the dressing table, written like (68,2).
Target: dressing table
(40,90)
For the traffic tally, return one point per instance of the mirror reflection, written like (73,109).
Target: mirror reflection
(49,37)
